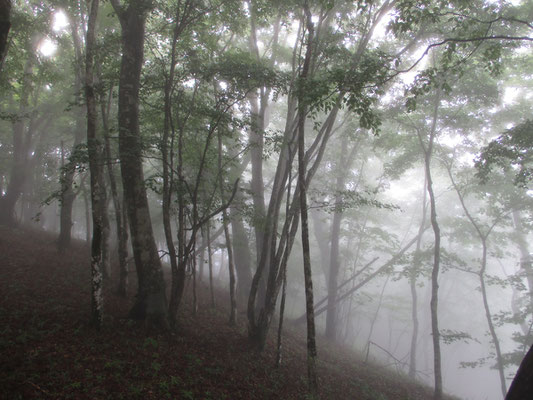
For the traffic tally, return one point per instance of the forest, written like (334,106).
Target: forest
(359,171)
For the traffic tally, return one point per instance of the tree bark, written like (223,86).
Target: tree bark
(225,222)
(308,278)
(96,171)
(522,385)
(121,218)
(151,302)
(241,249)
(413,273)
(210,265)
(428,150)
(168,170)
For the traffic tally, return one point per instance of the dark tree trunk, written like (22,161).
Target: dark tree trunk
(97,174)
(168,174)
(522,385)
(243,256)
(309,302)
(210,265)
(151,303)
(121,218)
(225,222)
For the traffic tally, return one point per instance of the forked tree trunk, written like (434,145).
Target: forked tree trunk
(151,302)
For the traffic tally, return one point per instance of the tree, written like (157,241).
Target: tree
(302,112)
(512,148)
(483,233)
(95,150)
(151,301)
(67,192)
(522,385)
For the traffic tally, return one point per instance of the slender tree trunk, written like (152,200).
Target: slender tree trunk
(309,302)
(281,316)
(488,314)
(87,207)
(483,238)
(96,171)
(167,152)
(151,302)
(343,166)
(225,222)
(437,365)
(210,265)
(413,273)
(284,285)
(194,291)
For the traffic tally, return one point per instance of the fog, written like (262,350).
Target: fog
(416,150)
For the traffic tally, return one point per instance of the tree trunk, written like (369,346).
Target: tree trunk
(96,171)
(121,218)
(413,273)
(242,253)
(210,265)
(309,302)
(343,166)
(436,255)
(225,222)
(522,385)
(151,303)
(483,238)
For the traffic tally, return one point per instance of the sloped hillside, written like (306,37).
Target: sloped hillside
(47,351)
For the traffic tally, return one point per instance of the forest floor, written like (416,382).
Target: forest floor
(47,350)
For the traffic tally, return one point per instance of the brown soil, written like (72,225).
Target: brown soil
(48,351)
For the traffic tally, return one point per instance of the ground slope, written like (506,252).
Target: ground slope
(47,350)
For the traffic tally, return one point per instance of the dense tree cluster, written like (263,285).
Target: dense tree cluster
(323,138)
